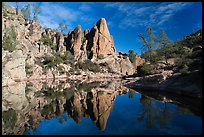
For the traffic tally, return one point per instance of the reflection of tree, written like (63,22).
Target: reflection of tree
(183,110)
(131,94)
(165,115)
(148,111)
(62,119)
(154,114)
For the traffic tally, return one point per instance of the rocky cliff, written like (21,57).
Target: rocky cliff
(27,46)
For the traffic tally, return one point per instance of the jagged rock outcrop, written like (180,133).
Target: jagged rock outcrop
(104,44)
(57,39)
(35,31)
(98,45)
(77,43)
(60,43)
(91,44)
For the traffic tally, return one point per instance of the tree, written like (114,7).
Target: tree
(26,12)
(164,41)
(17,7)
(131,52)
(132,56)
(63,27)
(10,39)
(36,11)
(4,7)
(149,43)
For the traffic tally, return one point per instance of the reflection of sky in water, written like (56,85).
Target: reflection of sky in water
(124,120)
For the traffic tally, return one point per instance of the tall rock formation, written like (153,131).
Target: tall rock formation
(76,43)
(98,45)
(101,41)
(91,44)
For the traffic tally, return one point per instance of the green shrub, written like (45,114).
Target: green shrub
(132,58)
(89,54)
(3,6)
(48,41)
(144,69)
(67,56)
(9,117)
(155,59)
(52,61)
(61,69)
(88,65)
(9,39)
(101,56)
(100,92)
(27,69)
(184,70)
(72,41)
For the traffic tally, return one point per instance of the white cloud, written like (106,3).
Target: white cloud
(139,14)
(54,13)
(85,7)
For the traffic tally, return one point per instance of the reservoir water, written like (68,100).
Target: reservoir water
(94,108)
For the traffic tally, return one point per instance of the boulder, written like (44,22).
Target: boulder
(139,60)
(126,67)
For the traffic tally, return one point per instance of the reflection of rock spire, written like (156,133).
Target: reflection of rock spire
(98,107)
(32,105)
(105,105)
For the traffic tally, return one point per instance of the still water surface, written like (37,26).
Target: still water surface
(97,108)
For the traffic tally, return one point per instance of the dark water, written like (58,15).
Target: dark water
(99,108)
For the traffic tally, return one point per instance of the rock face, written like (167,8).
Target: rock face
(35,31)
(139,60)
(30,45)
(60,42)
(13,66)
(91,44)
(119,64)
(101,42)
(76,43)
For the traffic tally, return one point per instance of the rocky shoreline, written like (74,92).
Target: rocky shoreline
(176,84)
(81,77)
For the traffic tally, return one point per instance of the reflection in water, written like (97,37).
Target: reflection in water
(155,114)
(25,106)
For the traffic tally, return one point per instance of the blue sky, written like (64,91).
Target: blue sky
(125,19)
